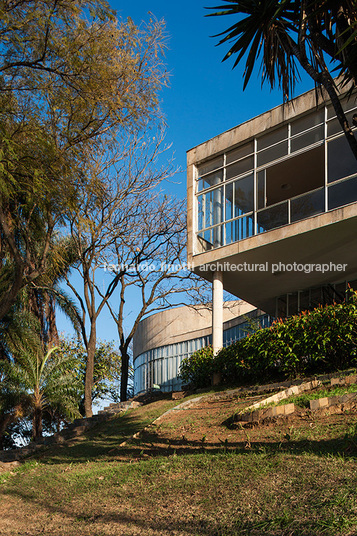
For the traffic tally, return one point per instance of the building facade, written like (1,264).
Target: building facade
(272,219)
(164,339)
(272,208)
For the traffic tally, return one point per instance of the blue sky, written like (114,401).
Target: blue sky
(205,96)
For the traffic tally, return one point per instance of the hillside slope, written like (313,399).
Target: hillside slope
(191,474)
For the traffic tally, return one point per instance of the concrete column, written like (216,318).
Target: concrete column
(217,312)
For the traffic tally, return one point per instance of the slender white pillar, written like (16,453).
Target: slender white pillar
(217,312)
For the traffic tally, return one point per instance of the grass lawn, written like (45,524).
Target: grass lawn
(303,400)
(188,478)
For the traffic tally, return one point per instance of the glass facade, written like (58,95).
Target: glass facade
(307,299)
(161,366)
(296,171)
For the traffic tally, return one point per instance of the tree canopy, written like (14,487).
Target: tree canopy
(318,36)
(72,76)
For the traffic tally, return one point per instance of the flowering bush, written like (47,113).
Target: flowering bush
(197,369)
(322,340)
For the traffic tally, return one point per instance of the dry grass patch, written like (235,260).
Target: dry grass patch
(288,478)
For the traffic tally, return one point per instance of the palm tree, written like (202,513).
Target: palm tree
(37,382)
(283,34)
(43,295)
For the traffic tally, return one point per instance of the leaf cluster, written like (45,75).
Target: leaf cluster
(285,34)
(36,380)
(322,340)
(107,367)
(72,77)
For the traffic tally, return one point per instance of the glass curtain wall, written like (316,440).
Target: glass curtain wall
(161,366)
(296,171)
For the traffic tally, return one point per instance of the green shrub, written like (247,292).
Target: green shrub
(197,369)
(322,340)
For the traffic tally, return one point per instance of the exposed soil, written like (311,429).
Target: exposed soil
(288,476)
(207,426)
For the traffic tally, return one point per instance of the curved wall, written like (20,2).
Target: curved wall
(165,338)
(182,324)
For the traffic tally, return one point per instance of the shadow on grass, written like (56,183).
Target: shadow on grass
(97,443)
(121,517)
(104,444)
(121,511)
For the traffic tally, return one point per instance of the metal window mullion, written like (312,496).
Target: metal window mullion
(195,209)
(289,211)
(326,163)
(233,200)
(289,138)
(255,181)
(224,215)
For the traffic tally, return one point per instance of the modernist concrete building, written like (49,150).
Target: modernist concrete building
(272,219)
(272,209)
(165,338)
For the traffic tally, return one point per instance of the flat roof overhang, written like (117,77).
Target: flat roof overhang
(327,238)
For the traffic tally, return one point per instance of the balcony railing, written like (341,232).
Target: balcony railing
(292,210)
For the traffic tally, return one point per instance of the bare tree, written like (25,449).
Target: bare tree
(121,188)
(152,259)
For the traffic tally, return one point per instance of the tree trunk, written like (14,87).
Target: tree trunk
(5,420)
(89,379)
(37,422)
(52,335)
(124,377)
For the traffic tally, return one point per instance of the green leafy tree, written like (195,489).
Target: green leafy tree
(71,77)
(44,295)
(317,35)
(107,368)
(38,382)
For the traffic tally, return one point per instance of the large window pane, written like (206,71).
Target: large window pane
(239,152)
(308,121)
(261,189)
(217,206)
(239,229)
(210,166)
(210,180)
(307,205)
(240,167)
(333,127)
(213,207)
(273,217)
(273,153)
(229,201)
(310,137)
(343,193)
(273,137)
(200,212)
(341,160)
(243,195)
(347,105)
(205,240)
(229,230)
(218,236)
(208,209)
(243,228)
